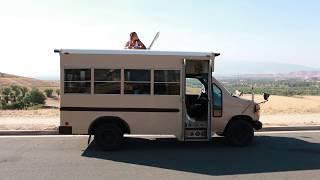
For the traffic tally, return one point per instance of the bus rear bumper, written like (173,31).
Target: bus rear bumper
(65,129)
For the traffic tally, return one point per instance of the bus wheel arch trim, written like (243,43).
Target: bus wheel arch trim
(255,124)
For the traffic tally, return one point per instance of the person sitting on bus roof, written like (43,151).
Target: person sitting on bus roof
(134,42)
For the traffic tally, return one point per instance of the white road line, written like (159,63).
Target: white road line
(41,136)
(287,132)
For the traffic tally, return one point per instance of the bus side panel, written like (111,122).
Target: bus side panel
(139,122)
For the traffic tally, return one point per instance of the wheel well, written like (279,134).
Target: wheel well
(236,118)
(109,119)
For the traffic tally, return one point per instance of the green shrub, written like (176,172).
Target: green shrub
(15,105)
(24,91)
(58,92)
(18,97)
(48,92)
(34,97)
(6,95)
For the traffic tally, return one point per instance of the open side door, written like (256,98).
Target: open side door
(197,100)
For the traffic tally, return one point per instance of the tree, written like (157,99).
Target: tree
(34,97)
(48,92)
(58,92)
(7,94)
(24,91)
(16,91)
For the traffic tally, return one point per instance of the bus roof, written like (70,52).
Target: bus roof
(136,52)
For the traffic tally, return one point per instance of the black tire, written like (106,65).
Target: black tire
(108,137)
(240,133)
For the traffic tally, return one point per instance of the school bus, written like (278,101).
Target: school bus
(110,93)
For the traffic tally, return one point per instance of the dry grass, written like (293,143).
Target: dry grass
(289,105)
(30,113)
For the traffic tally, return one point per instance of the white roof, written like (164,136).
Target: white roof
(137,52)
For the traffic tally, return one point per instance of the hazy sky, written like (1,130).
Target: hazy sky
(283,31)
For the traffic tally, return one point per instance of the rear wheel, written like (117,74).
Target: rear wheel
(108,137)
(240,133)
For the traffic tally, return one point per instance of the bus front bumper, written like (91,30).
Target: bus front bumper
(65,129)
(257,125)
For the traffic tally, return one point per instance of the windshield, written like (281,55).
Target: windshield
(215,81)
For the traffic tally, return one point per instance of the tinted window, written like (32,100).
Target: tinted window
(77,81)
(217,101)
(167,76)
(167,82)
(136,88)
(107,74)
(107,88)
(107,81)
(167,88)
(77,74)
(77,87)
(137,81)
(137,75)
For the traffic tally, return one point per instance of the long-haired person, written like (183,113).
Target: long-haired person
(134,42)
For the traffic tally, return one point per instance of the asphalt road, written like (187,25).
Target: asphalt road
(294,155)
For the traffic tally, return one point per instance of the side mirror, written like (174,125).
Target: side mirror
(266,96)
(237,93)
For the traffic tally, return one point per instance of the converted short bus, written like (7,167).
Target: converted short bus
(109,93)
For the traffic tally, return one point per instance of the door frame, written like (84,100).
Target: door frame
(209,135)
(183,98)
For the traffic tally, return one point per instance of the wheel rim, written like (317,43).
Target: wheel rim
(108,137)
(241,135)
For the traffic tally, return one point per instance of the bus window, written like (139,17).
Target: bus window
(167,82)
(217,101)
(107,81)
(194,86)
(137,81)
(77,81)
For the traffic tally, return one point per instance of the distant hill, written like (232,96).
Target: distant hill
(9,79)
(223,68)
(302,75)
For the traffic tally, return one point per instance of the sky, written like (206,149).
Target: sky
(280,31)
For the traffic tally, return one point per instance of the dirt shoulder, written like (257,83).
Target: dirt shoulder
(41,119)
(39,113)
(290,119)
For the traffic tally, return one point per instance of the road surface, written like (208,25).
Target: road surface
(286,155)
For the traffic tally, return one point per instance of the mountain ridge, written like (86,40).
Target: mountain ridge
(10,79)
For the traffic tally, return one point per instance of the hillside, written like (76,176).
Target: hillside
(8,80)
(223,68)
(301,75)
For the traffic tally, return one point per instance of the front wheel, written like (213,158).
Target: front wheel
(240,133)
(108,137)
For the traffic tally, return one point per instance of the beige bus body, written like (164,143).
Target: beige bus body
(145,113)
